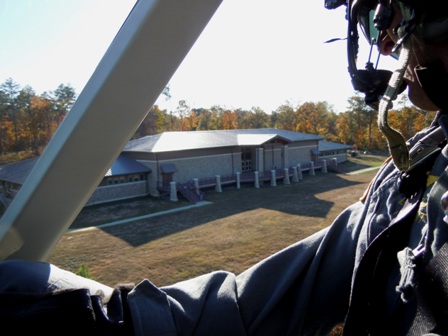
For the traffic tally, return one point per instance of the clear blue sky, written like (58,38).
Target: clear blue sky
(253,52)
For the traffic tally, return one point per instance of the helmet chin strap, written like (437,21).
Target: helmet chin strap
(397,145)
(396,142)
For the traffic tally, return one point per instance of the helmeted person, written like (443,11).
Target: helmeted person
(379,269)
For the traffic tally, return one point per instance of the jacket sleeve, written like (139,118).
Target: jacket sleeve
(303,289)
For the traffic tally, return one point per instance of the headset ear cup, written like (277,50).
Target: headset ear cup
(434,31)
(433,27)
(419,4)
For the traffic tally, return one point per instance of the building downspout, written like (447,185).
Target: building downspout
(157,168)
(233,164)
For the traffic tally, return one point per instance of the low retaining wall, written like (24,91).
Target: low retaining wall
(118,192)
(287,175)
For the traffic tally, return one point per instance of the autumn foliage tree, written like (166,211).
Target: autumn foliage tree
(229,120)
(28,120)
(190,122)
(155,122)
(312,118)
(285,118)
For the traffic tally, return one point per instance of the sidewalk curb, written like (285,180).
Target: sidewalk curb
(362,171)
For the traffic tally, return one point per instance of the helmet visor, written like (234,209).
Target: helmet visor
(363,12)
(369,14)
(365,20)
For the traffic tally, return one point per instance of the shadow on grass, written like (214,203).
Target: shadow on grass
(298,199)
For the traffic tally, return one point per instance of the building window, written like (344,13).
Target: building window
(111,180)
(246,159)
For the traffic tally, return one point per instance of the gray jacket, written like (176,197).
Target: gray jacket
(301,290)
(304,289)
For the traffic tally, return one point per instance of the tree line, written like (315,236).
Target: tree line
(28,120)
(356,126)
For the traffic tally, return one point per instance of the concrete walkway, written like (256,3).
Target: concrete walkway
(362,170)
(133,219)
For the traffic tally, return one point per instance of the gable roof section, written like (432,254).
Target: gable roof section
(17,172)
(124,165)
(177,141)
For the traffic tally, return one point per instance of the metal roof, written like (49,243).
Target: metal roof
(18,172)
(177,141)
(168,168)
(327,145)
(124,165)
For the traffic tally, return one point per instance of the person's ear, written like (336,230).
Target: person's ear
(386,45)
